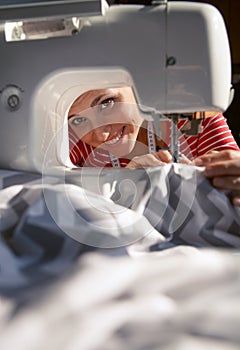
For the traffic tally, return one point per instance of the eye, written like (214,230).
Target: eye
(76,121)
(107,103)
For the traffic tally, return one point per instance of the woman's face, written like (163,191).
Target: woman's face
(107,118)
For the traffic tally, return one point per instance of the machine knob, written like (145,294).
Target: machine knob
(11,97)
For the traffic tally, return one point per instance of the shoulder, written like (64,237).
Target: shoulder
(212,119)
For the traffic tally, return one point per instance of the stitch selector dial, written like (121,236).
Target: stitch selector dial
(11,97)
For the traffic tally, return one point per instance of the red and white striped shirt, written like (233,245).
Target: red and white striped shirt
(215,136)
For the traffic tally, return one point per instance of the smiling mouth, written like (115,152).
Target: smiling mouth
(115,140)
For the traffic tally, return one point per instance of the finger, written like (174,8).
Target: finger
(225,168)
(215,157)
(148,160)
(164,155)
(184,160)
(236,200)
(132,165)
(227,182)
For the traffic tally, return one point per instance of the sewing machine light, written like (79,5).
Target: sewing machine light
(46,19)
(42,29)
(18,10)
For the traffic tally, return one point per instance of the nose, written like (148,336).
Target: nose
(102,133)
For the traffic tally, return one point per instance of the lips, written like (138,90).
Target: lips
(114,140)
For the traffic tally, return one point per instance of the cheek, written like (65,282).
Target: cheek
(133,120)
(133,130)
(79,133)
(87,138)
(127,113)
(136,118)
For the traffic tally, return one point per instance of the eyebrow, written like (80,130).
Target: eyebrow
(97,99)
(106,95)
(93,104)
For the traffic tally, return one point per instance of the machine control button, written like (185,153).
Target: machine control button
(11,97)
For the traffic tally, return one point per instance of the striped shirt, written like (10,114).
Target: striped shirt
(215,135)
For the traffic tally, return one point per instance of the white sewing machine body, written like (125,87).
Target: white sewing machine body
(175,55)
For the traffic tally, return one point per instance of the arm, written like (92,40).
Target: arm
(216,136)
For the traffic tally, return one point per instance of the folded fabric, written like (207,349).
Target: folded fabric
(46,225)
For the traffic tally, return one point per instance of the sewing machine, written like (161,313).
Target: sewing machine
(175,55)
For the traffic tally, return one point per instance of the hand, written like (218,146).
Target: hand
(159,158)
(223,168)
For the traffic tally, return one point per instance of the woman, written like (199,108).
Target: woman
(107,129)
